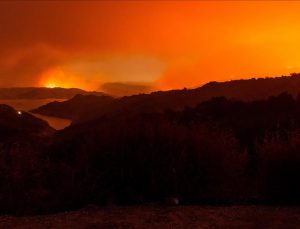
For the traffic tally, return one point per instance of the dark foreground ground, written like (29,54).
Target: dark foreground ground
(163,217)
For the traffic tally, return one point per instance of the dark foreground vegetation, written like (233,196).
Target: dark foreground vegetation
(222,151)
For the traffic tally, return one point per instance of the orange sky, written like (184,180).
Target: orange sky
(171,44)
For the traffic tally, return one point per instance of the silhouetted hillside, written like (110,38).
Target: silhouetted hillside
(255,88)
(156,147)
(219,151)
(42,93)
(76,107)
(245,90)
(18,124)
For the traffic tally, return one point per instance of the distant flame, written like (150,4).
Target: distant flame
(50,85)
(56,77)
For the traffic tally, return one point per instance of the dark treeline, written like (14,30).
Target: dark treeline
(222,151)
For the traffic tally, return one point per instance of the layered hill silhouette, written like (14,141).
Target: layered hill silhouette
(83,108)
(42,93)
(220,151)
(191,146)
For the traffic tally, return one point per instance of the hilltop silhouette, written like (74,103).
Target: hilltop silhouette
(220,151)
(244,90)
(174,147)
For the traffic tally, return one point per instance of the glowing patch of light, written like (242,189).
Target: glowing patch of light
(19,112)
(51,85)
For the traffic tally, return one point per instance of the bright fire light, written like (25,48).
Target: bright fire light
(51,85)
(56,77)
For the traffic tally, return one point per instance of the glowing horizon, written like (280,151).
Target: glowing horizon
(168,45)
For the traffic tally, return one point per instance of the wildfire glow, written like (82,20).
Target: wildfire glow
(58,77)
(172,44)
(51,85)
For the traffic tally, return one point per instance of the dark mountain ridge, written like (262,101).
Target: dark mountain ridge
(244,90)
(150,148)
(220,150)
